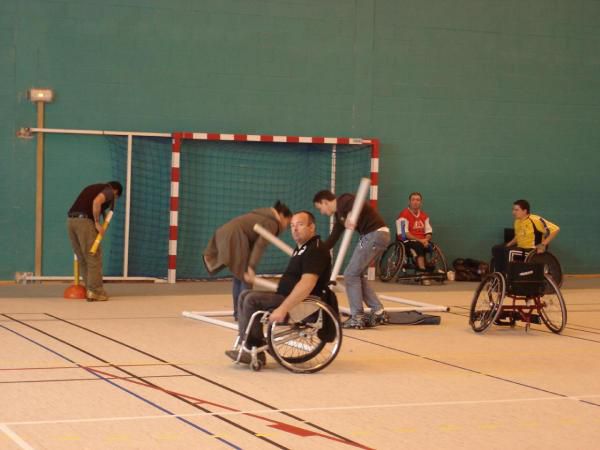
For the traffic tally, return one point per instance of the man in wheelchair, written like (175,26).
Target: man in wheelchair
(531,232)
(307,273)
(414,229)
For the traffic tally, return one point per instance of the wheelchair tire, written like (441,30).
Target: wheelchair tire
(487,302)
(299,346)
(551,265)
(439,260)
(553,309)
(391,261)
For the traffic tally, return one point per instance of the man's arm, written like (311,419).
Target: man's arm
(547,239)
(302,290)
(335,235)
(511,243)
(97,209)
(424,241)
(260,245)
(257,251)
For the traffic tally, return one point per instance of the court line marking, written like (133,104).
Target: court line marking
(542,329)
(312,409)
(203,378)
(15,437)
(70,380)
(112,383)
(275,424)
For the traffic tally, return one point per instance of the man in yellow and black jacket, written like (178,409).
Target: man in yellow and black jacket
(531,231)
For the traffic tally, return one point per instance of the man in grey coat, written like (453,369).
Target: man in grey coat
(238,247)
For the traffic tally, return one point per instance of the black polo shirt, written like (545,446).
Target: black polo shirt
(85,200)
(312,257)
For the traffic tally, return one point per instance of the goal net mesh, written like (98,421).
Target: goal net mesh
(220,180)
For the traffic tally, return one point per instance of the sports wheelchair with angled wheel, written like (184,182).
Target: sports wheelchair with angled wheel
(399,262)
(307,342)
(533,297)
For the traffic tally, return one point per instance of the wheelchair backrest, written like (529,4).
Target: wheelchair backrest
(525,279)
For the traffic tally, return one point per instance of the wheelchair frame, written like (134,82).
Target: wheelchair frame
(395,261)
(488,307)
(296,344)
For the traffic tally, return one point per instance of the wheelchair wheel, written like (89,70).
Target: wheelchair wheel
(437,261)
(552,306)
(487,302)
(551,265)
(309,341)
(391,261)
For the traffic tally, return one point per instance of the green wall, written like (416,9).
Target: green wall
(476,102)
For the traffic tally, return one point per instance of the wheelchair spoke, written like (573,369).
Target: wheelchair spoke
(305,346)
(487,302)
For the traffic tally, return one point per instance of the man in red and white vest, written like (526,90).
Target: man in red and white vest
(413,228)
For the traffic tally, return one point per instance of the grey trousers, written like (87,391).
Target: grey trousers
(82,234)
(248,303)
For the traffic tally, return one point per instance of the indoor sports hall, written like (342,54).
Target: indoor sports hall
(299,224)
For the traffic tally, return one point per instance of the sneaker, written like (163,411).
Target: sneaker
(357,322)
(378,318)
(98,296)
(246,357)
(426,282)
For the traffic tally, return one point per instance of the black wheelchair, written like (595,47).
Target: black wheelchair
(534,297)
(551,264)
(307,342)
(399,262)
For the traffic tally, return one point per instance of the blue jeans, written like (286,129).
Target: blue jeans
(238,287)
(369,247)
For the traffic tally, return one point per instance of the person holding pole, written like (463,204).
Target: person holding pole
(374,239)
(307,274)
(83,226)
(237,246)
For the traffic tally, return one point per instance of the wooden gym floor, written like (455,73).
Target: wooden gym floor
(132,373)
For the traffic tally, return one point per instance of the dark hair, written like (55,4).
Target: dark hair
(282,209)
(311,217)
(523,204)
(415,193)
(323,195)
(117,187)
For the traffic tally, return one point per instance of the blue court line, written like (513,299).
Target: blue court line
(124,389)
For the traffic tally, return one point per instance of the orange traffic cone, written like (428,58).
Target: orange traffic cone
(75,291)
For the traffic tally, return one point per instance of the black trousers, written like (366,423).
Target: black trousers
(502,255)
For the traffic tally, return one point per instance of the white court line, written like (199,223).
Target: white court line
(318,409)
(15,437)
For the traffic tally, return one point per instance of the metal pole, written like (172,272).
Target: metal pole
(127,206)
(39,192)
